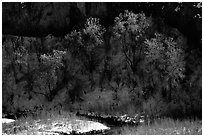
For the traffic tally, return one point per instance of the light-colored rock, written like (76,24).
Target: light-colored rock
(87,126)
(59,127)
(79,126)
(6,120)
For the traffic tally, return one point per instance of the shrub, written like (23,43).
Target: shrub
(155,106)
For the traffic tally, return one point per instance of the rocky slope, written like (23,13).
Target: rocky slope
(41,19)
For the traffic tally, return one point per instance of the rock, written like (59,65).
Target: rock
(87,126)
(62,126)
(75,128)
(6,120)
(116,120)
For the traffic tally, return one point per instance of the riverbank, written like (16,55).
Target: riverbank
(53,124)
(68,123)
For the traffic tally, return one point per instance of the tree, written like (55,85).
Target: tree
(130,29)
(164,62)
(156,62)
(52,74)
(87,45)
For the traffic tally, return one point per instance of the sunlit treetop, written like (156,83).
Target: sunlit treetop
(130,22)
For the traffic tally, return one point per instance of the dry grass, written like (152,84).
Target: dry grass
(165,126)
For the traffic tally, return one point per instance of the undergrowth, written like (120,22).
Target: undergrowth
(165,126)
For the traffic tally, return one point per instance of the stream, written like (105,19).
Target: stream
(115,123)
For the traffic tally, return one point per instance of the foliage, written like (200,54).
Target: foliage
(164,55)
(55,60)
(108,102)
(138,67)
(156,62)
(84,43)
(130,30)
(133,24)
(93,33)
(155,106)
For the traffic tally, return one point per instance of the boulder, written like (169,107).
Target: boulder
(77,127)
(6,120)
